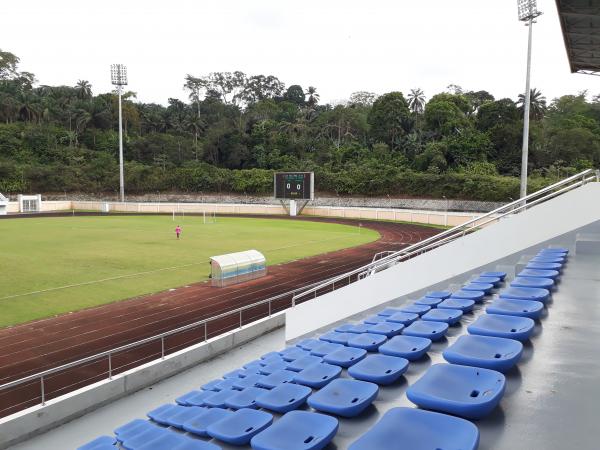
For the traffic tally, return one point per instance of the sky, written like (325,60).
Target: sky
(338,46)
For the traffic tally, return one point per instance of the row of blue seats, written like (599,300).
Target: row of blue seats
(282,382)
(472,385)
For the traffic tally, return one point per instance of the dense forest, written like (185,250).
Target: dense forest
(235,129)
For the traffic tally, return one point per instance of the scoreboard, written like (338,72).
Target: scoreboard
(294,185)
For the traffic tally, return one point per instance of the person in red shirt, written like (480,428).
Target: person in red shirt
(178,231)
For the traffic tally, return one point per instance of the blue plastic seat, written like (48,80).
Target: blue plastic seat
(358,328)
(372,320)
(308,344)
(199,424)
(523,293)
(297,430)
(345,357)
(101,441)
(501,275)
(183,399)
(472,286)
(218,399)
(273,367)
(403,318)
(271,355)
(284,397)
(415,429)
(317,375)
(133,441)
(380,369)
(408,347)
(415,309)
(176,441)
(432,302)
(237,373)
(276,378)
(532,282)
(510,327)
(450,316)
(325,348)
(224,385)
(368,341)
(253,365)
(211,385)
(496,281)
(470,392)
(245,398)
(426,329)
(555,250)
(344,397)
(463,304)
(388,312)
(292,353)
(476,296)
(548,259)
(241,426)
(494,353)
(336,337)
(189,412)
(539,273)
(439,294)
(303,363)
(249,381)
(388,329)
(133,428)
(510,307)
(164,412)
(544,266)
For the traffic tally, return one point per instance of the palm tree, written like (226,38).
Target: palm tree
(83,89)
(537,104)
(416,101)
(313,97)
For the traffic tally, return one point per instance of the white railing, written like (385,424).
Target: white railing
(456,232)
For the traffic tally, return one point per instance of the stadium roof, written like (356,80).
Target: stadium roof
(580,22)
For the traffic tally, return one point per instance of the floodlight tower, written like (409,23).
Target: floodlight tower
(118,76)
(527,13)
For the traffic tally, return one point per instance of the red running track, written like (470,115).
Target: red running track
(36,346)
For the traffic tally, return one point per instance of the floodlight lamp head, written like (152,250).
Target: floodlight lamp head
(527,10)
(118,74)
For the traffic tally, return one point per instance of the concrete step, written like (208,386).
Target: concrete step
(587,243)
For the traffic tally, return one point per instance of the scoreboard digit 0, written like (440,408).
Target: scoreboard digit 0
(294,185)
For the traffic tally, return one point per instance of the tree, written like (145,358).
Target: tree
(501,112)
(537,104)
(313,96)
(362,98)
(416,101)
(295,94)
(389,119)
(84,90)
(8,65)
(260,87)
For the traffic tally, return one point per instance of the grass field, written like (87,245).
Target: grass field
(50,266)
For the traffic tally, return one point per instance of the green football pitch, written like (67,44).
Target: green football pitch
(50,266)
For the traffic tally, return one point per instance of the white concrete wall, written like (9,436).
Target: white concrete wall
(542,222)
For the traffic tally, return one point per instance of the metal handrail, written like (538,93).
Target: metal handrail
(459,230)
(161,337)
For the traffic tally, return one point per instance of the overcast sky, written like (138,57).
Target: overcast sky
(339,46)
